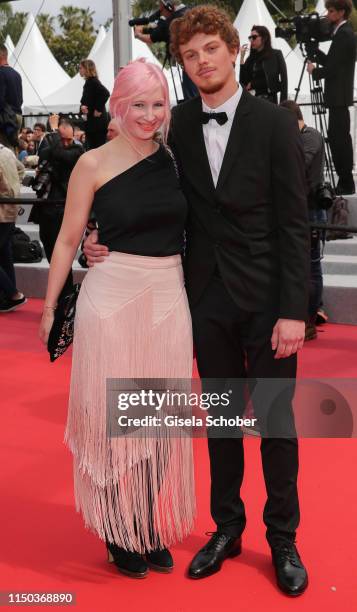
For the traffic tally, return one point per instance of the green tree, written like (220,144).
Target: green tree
(76,37)
(5,14)
(46,24)
(73,18)
(14,26)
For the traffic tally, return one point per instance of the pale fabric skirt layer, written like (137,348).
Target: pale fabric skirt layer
(132,320)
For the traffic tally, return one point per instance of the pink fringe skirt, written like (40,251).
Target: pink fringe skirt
(132,321)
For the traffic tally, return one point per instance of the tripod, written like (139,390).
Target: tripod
(167,60)
(319,112)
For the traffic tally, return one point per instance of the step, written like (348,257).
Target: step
(32,278)
(340,298)
(340,290)
(339,264)
(33,231)
(341,247)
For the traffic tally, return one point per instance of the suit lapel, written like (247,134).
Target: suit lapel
(240,132)
(196,161)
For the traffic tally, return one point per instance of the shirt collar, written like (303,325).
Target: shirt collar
(229,106)
(338,27)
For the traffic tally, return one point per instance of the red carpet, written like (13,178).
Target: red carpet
(44,546)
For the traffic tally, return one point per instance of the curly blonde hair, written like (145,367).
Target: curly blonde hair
(206,19)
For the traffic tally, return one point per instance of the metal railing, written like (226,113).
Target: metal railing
(30,201)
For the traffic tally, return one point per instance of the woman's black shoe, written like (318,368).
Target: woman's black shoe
(129,563)
(160,560)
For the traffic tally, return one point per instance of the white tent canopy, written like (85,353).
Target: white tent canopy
(320,7)
(9,46)
(254,12)
(98,41)
(41,73)
(140,49)
(67,98)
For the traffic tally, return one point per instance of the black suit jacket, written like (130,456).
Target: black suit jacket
(338,68)
(254,224)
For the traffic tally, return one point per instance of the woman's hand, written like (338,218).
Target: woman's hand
(48,316)
(97,113)
(84,109)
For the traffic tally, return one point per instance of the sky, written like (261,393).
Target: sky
(102,8)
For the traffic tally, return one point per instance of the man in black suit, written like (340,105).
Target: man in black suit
(39,137)
(11,98)
(338,68)
(246,270)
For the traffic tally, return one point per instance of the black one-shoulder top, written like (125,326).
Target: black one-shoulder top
(142,211)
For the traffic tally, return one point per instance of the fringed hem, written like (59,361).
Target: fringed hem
(136,492)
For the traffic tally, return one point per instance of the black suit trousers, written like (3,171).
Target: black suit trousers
(50,221)
(341,143)
(232,343)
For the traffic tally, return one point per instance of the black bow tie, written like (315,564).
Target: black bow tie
(221,118)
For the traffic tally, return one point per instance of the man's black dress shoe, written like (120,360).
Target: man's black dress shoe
(210,558)
(129,563)
(290,573)
(160,560)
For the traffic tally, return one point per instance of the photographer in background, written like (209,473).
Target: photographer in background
(168,11)
(337,69)
(57,158)
(11,174)
(314,150)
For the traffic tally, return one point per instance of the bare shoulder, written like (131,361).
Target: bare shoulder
(89,162)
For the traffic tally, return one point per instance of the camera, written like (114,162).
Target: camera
(309,28)
(42,181)
(321,198)
(144,21)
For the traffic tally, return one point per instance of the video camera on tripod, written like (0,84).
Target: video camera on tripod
(309,28)
(145,21)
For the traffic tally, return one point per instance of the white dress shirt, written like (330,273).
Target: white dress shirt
(338,27)
(216,136)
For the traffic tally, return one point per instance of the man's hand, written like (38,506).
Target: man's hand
(288,337)
(84,109)
(97,113)
(310,67)
(94,252)
(243,51)
(138,31)
(53,120)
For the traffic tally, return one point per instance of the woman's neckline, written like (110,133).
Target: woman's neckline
(128,169)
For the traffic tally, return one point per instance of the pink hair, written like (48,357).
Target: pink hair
(135,79)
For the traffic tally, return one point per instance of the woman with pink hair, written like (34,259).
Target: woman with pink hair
(132,322)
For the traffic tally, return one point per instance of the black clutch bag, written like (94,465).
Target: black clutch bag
(61,334)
